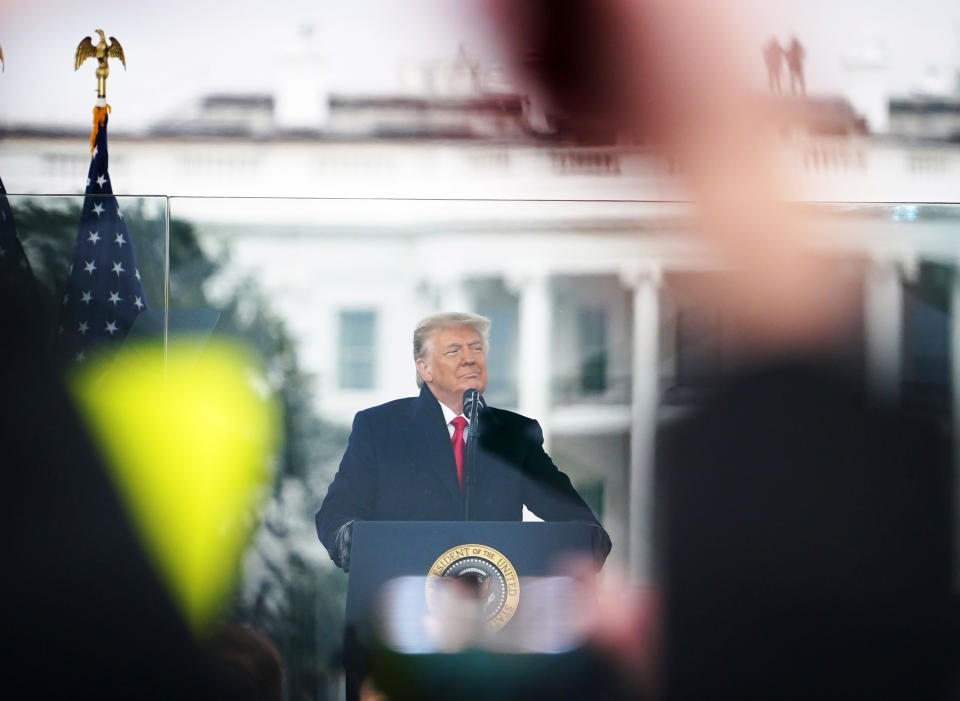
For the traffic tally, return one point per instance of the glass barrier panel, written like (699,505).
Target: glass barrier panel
(330,291)
(100,260)
(599,331)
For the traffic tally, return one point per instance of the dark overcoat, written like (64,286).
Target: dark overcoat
(399,466)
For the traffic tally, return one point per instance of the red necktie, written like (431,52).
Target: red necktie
(457,441)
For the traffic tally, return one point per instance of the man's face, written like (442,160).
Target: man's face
(454,362)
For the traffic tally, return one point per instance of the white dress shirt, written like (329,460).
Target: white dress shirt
(449,416)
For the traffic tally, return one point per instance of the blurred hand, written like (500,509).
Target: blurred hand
(620,620)
(667,73)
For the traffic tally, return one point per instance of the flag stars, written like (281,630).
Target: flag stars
(66,298)
(3,252)
(119,304)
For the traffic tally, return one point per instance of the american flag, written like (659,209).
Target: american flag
(12,258)
(103,294)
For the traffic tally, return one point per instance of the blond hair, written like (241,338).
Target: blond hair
(423,334)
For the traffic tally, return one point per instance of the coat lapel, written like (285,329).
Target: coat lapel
(492,445)
(431,442)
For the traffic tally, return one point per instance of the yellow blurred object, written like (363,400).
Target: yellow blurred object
(188,444)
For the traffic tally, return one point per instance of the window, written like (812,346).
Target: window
(592,336)
(493,301)
(701,340)
(592,493)
(501,373)
(699,343)
(926,340)
(356,350)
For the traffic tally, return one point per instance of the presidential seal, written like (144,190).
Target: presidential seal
(485,576)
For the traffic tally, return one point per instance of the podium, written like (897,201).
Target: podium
(400,574)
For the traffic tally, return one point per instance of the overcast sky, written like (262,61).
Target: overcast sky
(179,50)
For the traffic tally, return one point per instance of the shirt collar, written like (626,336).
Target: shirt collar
(448,413)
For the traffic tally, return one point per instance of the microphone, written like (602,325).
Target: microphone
(472,401)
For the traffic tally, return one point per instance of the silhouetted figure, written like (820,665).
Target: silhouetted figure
(84,612)
(805,544)
(246,663)
(794,55)
(773,57)
(804,537)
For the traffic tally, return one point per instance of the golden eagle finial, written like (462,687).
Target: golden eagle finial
(102,52)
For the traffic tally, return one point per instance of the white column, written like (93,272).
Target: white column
(533,347)
(645,399)
(883,329)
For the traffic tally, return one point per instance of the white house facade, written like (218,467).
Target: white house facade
(573,251)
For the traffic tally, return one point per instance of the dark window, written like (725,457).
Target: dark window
(592,336)
(356,349)
(926,340)
(699,347)
(592,494)
(493,302)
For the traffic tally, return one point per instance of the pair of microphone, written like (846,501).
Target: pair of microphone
(472,403)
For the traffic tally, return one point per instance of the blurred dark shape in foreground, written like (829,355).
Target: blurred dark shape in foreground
(479,675)
(805,540)
(83,611)
(245,663)
(562,51)
(805,537)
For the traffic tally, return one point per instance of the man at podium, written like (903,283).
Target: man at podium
(413,459)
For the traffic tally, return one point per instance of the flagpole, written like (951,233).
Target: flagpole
(166,280)
(104,291)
